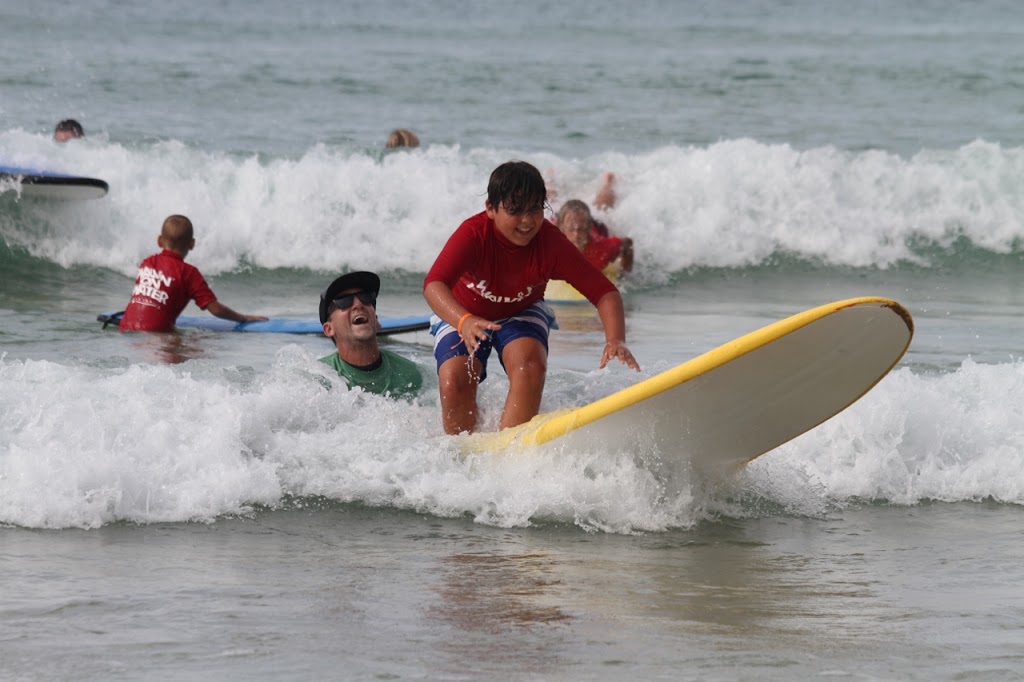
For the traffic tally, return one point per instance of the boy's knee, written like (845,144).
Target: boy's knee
(458,374)
(531,369)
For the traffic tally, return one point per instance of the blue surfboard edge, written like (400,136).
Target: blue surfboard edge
(389,325)
(54,185)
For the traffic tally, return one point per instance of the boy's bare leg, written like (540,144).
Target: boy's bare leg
(457,382)
(526,363)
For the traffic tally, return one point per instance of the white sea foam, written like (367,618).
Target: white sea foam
(951,438)
(731,204)
(87,446)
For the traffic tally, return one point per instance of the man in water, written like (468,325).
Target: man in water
(348,312)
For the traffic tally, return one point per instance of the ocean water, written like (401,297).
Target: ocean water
(203,507)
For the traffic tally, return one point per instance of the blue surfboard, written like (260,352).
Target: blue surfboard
(51,185)
(389,325)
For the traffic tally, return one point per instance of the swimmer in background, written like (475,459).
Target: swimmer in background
(591,237)
(402,137)
(68,129)
(601,248)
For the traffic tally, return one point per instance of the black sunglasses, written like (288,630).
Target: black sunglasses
(365,297)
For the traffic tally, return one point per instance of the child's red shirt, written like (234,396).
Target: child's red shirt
(493,278)
(164,286)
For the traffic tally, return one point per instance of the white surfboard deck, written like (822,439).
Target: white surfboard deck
(736,402)
(50,185)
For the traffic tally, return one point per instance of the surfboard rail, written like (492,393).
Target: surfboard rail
(869,361)
(53,185)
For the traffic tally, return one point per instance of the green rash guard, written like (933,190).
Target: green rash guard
(396,375)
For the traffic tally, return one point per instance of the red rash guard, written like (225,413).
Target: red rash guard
(495,279)
(164,286)
(601,251)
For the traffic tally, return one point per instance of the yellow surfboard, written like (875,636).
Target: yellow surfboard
(724,408)
(560,291)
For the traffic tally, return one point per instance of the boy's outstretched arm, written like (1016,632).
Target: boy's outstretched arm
(220,310)
(613,318)
(473,329)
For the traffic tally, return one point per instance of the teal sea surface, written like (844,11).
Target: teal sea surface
(202,506)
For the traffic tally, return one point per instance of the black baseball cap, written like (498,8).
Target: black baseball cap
(365,281)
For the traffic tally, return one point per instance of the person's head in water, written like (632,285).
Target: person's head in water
(402,137)
(68,129)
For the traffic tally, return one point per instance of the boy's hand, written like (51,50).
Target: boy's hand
(617,349)
(475,330)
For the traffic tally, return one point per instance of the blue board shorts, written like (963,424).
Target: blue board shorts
(535,322)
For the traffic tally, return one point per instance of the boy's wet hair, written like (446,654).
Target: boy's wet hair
(519,186)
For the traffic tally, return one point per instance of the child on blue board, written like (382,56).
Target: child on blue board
(166,283)
(486,289)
